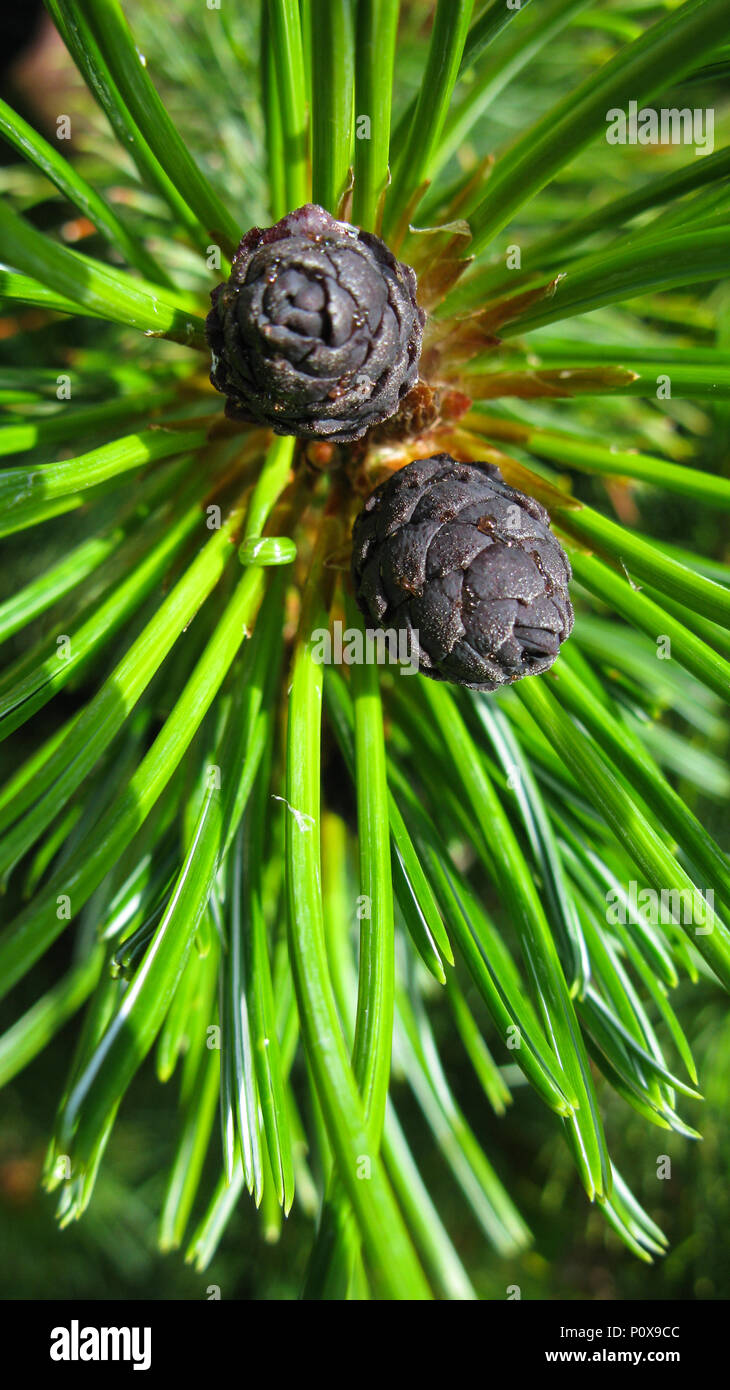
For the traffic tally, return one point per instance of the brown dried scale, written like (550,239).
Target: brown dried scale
(469,567)
(317,332)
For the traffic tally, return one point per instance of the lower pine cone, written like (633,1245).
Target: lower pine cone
(468,567)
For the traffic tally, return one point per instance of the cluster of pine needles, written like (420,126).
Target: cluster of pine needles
(272,876)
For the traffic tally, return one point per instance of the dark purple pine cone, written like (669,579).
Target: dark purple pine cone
(469,567)
(317,332)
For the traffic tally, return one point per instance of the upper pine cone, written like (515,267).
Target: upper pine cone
(469,567)
(317,332)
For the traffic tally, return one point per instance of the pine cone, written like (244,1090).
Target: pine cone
(469,567)
(317,332)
